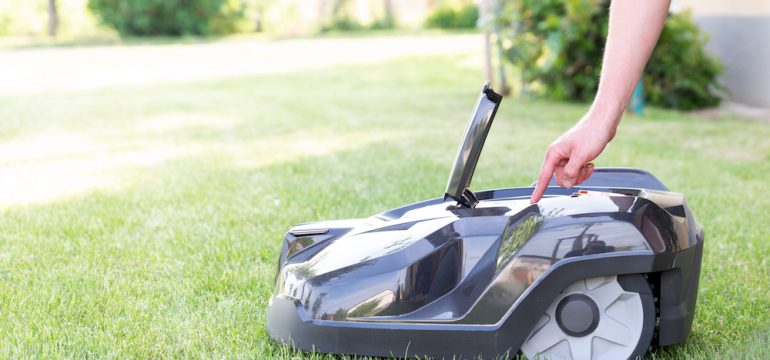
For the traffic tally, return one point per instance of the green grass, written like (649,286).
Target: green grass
(146,222)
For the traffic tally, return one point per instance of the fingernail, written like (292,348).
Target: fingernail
(567,183)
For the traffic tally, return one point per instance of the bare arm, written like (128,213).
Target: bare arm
(633,32)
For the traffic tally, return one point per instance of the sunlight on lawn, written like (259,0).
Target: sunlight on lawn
(47,168)
(88,68)
(51,167)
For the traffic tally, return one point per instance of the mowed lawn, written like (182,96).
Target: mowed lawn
(146,221)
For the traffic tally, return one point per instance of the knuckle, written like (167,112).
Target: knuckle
(550,153)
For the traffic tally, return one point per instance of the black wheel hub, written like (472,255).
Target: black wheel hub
(577,315)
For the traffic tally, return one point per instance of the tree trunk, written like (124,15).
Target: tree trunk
(260,7)
(388,7)
(497,8)
(488,77)
(53,18)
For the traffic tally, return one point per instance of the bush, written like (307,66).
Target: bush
(384,23)
(449,17)
(680,74)
(169,17)
(558,45)
(341,18)
(343,23)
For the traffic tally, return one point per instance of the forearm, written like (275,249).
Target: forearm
(634,28)
(633,32)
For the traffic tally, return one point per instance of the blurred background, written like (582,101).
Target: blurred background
(526,35)
(154,152)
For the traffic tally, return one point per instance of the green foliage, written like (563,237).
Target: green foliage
(5,25)
(558,47)
(386,22)
(169,17)
(451,17)
(341,18)
(680,74)
(343,23)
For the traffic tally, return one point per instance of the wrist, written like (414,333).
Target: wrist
(604,115)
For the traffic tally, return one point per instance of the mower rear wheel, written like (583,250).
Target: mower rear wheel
(611,317)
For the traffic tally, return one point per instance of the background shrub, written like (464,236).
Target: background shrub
(340,17)
(557,45)
(169,17)
(680,74)
(453,17)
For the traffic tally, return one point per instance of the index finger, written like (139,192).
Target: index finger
(549,164)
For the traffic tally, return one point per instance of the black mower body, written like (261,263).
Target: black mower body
(470,274)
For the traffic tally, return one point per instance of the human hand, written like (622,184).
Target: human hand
(569,157)
(634,27)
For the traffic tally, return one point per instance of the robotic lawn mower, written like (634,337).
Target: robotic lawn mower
(598,271)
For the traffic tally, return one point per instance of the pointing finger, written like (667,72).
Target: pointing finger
(546,170)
